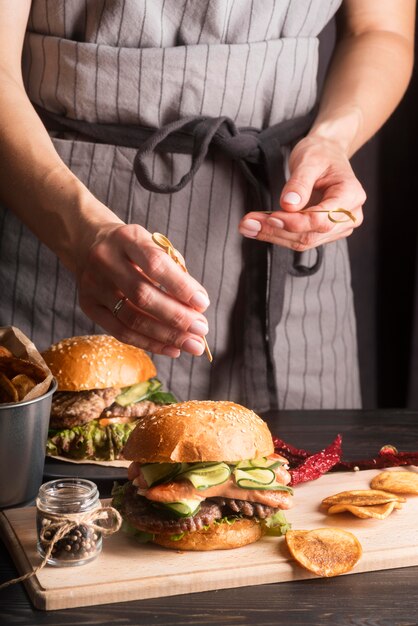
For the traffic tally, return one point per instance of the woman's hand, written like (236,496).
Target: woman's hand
(369,73)
(163,310)
(321,180)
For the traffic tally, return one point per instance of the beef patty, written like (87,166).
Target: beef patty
(75,408)
(245,508)
(145,516)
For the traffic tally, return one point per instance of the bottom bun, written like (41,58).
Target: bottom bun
(218,537)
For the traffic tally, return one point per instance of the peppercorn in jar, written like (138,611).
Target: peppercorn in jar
(67,521)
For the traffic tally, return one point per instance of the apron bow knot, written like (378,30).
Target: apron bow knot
(258,153)
(195,136)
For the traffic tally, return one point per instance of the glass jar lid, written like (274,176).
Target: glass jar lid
(68,495)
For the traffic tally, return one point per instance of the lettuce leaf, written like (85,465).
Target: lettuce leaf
(90,441)
(162,397)
(276,525)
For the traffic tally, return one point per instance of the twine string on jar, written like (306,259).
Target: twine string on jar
(62,525)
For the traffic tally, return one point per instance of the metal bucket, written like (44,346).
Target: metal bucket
(23,435)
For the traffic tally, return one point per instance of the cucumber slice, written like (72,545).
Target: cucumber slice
(265,463)
(249,484)
(159,472)
(254,478)
(138,392)
(278,487)
(184,508)
(260,463)
(203,476)
(244,465)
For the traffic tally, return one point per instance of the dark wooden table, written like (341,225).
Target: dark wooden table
(386,598)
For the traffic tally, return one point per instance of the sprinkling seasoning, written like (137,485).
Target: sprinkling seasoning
(66,517)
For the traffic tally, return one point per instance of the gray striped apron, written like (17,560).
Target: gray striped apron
(149,64)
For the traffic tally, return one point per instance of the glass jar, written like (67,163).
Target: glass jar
(64,518)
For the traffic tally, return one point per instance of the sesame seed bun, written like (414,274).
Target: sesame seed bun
(97,362)
(189,432)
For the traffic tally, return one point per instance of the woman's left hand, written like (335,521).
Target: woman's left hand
(321,180)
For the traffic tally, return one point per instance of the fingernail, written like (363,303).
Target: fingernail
(199,300)
(193,346)
(198,328)
(291,197)
(248,233)
(171,351)
(250,228)
(274,221)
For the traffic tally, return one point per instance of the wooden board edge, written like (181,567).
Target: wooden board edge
(34,589)
(209,581)
(180,584)
(191,583)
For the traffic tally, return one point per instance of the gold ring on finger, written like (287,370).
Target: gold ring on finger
(119,304)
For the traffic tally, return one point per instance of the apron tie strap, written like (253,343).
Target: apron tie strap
(202,131)
(258,153)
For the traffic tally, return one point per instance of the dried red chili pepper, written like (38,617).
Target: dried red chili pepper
(388,456)
(281,447)
(306,466)
(315,465)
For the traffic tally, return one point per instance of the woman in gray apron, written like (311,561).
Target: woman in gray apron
(179,116)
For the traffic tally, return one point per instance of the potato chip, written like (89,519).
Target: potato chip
(396,482)
(23,384)
(376,511)
(362,497)
(324,551)
(8,392)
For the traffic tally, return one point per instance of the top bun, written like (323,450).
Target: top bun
(195,431)
(97,362)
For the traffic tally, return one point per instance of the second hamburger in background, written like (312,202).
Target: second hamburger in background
(104,386)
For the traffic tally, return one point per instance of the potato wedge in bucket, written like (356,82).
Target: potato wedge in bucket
(23,384)
(12,365)
(324,551)
(8,392)
(24,375)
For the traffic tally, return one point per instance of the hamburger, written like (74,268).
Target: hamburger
(204,476)
(104,386)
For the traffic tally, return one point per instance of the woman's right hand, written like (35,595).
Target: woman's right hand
(111,260)
(164,306)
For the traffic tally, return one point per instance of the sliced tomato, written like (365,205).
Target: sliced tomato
(107,421)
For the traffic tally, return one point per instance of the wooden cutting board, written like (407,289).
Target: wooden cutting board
(127,570)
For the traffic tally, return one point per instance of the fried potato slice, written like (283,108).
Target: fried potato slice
(396,482)
(8,392)
(376,511)
(362,497)
(324,551)
(23,384)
